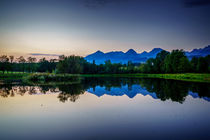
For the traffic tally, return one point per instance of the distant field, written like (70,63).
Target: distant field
(194,77)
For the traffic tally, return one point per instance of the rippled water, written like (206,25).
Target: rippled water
(105,108)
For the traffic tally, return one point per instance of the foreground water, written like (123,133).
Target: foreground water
(106,108)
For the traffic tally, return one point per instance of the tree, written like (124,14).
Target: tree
(194,63)
(22,61)
(42,60)
(207,58)
(202,65)
(71,64)
(107,66)
(31,65)
(61,57)
(149,66)
(157,65)
(130,67)
(46,66)
(11,59)
(167,64)
(184,65)
(173,63)
(4,59)
(53,60)
(31,59)
(159,61)
(4,63)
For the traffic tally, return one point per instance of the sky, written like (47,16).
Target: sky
(81,27)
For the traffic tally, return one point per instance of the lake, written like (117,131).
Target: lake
(105,108)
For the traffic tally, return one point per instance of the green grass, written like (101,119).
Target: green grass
(47,77)
(15,76)
(194,77)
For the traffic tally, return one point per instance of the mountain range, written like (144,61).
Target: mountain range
(199,52)
(131,55)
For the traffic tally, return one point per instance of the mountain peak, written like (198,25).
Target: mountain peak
(207,47)
(99,52)
(200,52)
(156,50)
(131,51)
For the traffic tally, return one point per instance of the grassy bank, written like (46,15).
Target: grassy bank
(13,76)
(194,77)
(51,79)
(46,77)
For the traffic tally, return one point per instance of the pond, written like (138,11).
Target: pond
(105,108)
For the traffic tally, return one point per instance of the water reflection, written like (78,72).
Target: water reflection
(70,92)
(156,88)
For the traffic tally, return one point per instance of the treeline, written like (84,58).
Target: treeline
(165,62)
(20,64)
(176,62)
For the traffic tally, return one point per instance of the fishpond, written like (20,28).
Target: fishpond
(105,108)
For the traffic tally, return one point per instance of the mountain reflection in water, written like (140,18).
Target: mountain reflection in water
(161,89)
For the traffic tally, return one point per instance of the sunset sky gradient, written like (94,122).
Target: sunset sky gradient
(82,27)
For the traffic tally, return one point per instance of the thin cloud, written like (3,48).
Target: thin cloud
(41,54)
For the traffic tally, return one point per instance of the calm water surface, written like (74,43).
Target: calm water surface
(105,108)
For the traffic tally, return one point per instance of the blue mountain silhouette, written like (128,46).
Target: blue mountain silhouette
(199,52)
(121,57)
(131,55)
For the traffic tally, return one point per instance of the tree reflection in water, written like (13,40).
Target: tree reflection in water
(164,89)
(70,92)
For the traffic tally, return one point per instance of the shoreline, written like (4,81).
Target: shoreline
(190,77)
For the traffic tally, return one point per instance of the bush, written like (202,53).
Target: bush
(52,77)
